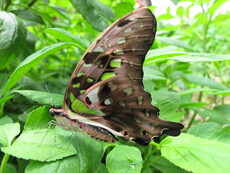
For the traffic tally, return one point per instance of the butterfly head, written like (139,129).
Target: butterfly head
(56,112)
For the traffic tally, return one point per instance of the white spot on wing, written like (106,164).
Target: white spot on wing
(93,95)
(121,40)
(128,30)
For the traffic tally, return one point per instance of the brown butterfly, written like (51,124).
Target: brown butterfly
(105,96)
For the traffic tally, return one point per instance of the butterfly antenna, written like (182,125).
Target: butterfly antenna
(47,89)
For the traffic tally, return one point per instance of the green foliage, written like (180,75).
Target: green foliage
(186,72)
(13,35)
(195,151)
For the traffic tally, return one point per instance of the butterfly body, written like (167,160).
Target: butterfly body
(105,95)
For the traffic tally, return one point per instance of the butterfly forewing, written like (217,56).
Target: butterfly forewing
(105,93)
(119,50)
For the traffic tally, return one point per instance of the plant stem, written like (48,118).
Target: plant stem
(191,121)
(147,158)
(154,160)
(1,109)
(194,115)
(4,163)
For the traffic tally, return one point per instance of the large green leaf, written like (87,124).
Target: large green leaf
(89,154)
(39,143)
(95,12)
(30,62)
(197,154)
(12,38)
(43,97)
(42,145)
(211,130)
(124,159)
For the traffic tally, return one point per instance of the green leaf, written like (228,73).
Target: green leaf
(5,99)
(30,62)
(44,98)
(6,120)
(190,57)
(38,119)
(213,115)
(10,168)
(94,12)
(30,16)
(222,135)
(174,42)
(123,8)
(66,36)
(47,143)
(124,159)
(196,154)
(165,17)
(195,90)
(168,102)
(215,6)
(152,72)
(12,38)
(69,165)
(226,92)
(165,166)
(193,104)
(211,130)
(204,81)
(223,109)
(161,54)
(89,152)
(42,145)
(8,133)
(180,11)
(102,169)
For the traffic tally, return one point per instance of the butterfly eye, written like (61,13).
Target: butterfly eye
(124,133)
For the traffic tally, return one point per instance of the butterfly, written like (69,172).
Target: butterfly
(105,95)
